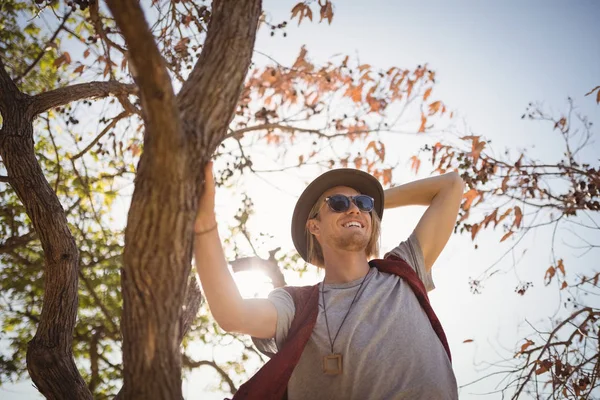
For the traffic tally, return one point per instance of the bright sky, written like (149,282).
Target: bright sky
(492,58)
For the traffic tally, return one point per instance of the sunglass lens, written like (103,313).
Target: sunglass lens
(364,203)
(339,203)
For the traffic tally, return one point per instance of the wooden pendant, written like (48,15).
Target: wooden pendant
(332,364)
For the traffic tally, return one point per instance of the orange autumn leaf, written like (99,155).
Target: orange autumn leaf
(427,94)
(387,176)
(423,122)
(79,70)
(469,197)
(506,236)
(415,163)
(434,107)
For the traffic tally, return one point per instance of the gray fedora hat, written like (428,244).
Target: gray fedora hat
(354,178)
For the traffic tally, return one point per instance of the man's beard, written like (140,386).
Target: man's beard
(352,242)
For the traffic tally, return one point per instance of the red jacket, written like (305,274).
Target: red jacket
(270,382)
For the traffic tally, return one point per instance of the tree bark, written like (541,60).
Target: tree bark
(179,139)
(49,354)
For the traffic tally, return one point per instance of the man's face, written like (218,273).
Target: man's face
(333,229)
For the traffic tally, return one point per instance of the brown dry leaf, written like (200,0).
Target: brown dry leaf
(474,230)
(358,161)
(561,123)
(518,216)
(541,369)
(59,61)
(503,216)
(506,236)
(492,217)
(550,272)
(561,266)
(67,57)
(327,11)
(504,184)
(564,285)
(468,341)
(597,95)
(301,10)
(135,150)
(526,345)
(86,53)
(79,70)
(476,148)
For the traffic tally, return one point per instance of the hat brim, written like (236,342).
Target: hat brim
(354,178)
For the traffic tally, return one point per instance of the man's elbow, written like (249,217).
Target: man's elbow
(455,178)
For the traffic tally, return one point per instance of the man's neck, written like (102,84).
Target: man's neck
(344,266)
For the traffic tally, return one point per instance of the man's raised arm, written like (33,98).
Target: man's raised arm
(443,195)
(255,317)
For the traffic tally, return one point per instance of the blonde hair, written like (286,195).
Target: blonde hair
(315,252)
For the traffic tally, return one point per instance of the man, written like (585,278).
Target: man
(367,331)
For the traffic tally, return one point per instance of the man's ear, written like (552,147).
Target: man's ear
(313,226)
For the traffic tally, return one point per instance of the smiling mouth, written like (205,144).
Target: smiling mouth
(353,224)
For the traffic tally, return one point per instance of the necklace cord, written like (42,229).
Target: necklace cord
(345,316)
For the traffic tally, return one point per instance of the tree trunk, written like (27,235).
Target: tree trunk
(49,354)
(180,137)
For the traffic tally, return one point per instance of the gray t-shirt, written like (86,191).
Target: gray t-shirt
(389,349)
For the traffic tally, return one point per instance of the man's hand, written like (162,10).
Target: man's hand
(205,217)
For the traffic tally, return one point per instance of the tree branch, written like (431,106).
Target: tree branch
(268,267)
(216,82)
(45,101)
(41,54)
(189,363)
(9,92)
(287,128)
(4,179)
(161,117)
(108,127)
(16,241)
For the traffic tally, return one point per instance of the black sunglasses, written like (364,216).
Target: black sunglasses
(341,203)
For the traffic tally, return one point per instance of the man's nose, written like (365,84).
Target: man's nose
(353,208)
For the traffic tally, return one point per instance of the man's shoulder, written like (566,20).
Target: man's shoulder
(300,290)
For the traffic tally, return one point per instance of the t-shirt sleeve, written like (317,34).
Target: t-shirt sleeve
(410,251)
(284,304)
